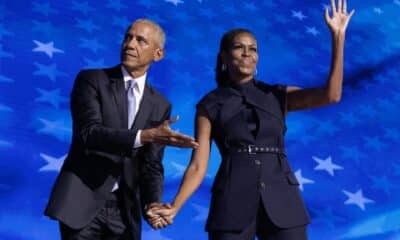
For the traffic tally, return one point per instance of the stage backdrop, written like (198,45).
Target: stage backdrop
(346,156)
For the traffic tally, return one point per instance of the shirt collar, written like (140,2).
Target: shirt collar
(139,80)
(244,86)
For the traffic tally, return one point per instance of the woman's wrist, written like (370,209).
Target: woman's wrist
(338,35)
(176,207)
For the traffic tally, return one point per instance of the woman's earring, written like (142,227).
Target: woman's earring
(223,67)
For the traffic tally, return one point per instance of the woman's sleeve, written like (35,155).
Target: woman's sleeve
(210,105)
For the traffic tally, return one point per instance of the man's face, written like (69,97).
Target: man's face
(140,47)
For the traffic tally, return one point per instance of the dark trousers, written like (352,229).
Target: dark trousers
(263,228)
(109,224)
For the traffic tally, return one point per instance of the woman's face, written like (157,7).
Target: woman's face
(242,57)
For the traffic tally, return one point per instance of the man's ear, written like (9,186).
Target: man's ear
(159,54)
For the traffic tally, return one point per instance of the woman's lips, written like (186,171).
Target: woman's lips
(246,62)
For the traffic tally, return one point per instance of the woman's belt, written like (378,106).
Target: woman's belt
(253,149)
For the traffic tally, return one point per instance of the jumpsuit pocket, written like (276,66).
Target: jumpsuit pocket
(283,161)
(222,175)
(292,180)
(219,182)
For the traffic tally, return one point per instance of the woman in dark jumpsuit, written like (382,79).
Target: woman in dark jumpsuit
(255,192)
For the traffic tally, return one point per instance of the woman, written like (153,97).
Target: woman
(255,193)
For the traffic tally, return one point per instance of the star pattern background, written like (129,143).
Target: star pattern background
(345,156)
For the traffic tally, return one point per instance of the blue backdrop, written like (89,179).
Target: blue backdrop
(346,156)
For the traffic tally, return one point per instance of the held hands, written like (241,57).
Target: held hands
(164,135)
(340,18)
(160,215)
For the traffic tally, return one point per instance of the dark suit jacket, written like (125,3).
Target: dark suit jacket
(244,180)
(102,151)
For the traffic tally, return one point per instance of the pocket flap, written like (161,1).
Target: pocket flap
(292,179)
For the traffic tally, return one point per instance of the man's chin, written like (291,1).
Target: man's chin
(128,64)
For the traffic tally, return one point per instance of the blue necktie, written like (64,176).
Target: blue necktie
(131,101)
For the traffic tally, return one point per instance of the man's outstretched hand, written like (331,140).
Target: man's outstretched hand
(164,135)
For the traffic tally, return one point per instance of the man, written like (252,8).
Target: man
(120,124)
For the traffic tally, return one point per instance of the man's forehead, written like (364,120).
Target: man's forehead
(142,28)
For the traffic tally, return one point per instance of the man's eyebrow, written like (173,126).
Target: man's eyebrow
(141,37)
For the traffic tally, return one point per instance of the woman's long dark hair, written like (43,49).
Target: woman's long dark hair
(222,76)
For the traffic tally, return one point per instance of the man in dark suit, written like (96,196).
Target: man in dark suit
(113,171)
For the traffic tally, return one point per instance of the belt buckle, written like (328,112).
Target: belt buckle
(250,149)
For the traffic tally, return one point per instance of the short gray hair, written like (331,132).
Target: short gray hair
(160,34)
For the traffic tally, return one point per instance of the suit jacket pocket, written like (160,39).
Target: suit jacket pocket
(104,168)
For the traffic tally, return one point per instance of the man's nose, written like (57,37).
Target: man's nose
(132,43)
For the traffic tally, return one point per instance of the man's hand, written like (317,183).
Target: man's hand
(157,221)
(164,135)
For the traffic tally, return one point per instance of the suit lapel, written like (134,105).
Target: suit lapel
(119,93)
(118,90)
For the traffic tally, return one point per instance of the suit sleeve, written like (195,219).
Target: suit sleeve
(152,171)
(87,119)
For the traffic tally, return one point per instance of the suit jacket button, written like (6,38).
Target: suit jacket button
(257,162)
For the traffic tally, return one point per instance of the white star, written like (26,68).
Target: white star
(6,79)
(378,10)
(326,6)
(57,128)
(5,108)
(326,165)
(302,180)
(53,164)
(175,2)
(312,30)
(52,96)
(202,212)
(4,143)
(180,169)
(357,199)
(299,15)
(47,48)
(53,125)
